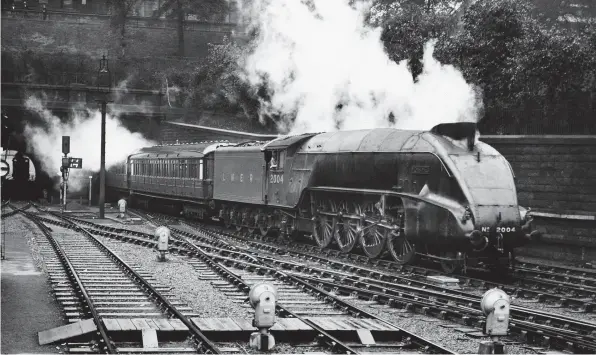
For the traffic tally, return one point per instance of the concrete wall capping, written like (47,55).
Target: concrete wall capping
(540,139)
(564,216)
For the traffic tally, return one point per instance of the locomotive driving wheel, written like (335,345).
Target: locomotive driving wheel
(323,230)
(347,231)
(373,237)
(400,248)
(373,240)
(324,225)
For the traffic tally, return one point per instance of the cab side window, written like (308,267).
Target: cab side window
(278,159)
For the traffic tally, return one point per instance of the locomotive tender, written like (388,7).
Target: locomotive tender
(440,194)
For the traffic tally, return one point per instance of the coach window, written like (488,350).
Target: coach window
(192,170)
(201,169)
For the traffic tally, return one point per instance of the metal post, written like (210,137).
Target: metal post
(90,183)
(102,171)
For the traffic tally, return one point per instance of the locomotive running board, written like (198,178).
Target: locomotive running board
(449,207)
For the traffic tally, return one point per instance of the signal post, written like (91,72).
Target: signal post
(67,164)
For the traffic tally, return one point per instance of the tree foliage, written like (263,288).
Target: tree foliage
(533,59)
(528,67)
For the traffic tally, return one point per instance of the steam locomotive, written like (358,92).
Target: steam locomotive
(439,194)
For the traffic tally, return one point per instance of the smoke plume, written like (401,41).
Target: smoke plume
(84,130)
(325,69)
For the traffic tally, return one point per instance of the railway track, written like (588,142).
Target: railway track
(571,278)
(407,341)
(13,209)
(533,326)
(90,281)
(568,287)
(588,271)
(300,300)
(578,297)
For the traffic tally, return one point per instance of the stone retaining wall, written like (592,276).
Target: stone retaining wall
(556,177)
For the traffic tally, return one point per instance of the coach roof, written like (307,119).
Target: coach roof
(187,150)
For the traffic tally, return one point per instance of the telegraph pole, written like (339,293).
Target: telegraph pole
(102,167)
(103,83)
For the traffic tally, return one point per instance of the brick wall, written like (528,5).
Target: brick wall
(93,36)
(553,174)
(556,175)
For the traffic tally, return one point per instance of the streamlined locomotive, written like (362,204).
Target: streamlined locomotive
(440,194)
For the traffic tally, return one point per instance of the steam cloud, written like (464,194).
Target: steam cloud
(317,55)
(85,135)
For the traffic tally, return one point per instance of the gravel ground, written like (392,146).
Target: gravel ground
(589,317)
(184,280)
(429,328)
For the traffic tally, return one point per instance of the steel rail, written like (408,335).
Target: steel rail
(527,326)
(78,284)
(433,291)
(458,297)
(448,296)
(551,330)
(15,209)
(243,286)
(420,342)
(201,341)
(586,283)
(463,311)
(522,327)
(585,306)
(560,269)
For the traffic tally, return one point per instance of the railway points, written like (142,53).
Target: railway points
(536,289)
(230,246)
(402,296)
